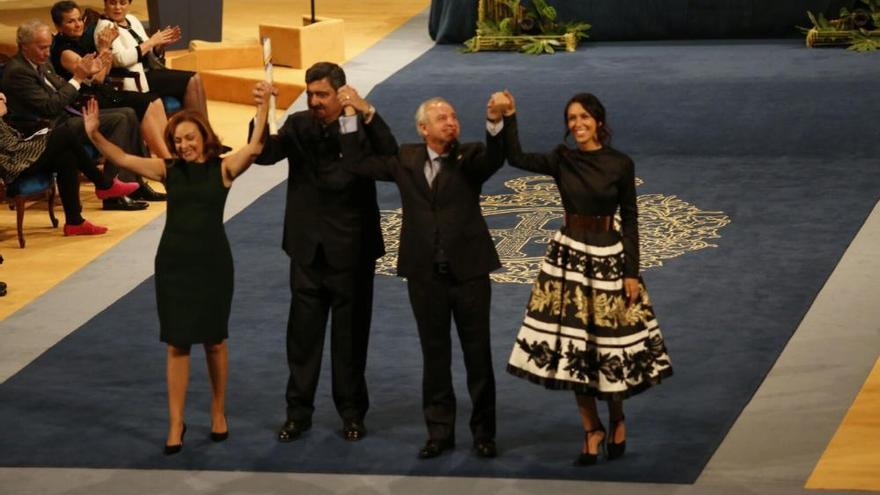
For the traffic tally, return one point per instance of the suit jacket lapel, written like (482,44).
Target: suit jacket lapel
(54,79)
(416,167)
(40,78)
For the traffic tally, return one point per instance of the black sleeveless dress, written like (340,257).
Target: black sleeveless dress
(194,271)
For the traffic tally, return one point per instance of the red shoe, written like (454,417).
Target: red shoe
(118,189)
(85,228)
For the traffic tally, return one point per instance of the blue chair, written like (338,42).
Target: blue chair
(32,187)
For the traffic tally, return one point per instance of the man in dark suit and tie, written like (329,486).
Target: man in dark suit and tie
(446,254)
(333,237)
(36,95)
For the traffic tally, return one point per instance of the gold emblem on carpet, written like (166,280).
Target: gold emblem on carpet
(523,222)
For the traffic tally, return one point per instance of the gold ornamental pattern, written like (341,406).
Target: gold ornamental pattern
(524,221)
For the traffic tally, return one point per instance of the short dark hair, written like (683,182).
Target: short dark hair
(596,110)
(61,8)
(328,70)
(213,146)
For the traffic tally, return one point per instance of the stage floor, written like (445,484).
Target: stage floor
(772,448)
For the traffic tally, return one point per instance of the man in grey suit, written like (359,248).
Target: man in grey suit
(37,97)
(446,254)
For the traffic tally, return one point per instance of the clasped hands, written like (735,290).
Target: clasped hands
(501,104)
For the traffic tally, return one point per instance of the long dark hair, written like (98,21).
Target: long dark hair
(596,110)
(213,147)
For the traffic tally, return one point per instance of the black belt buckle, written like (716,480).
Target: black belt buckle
(441,268)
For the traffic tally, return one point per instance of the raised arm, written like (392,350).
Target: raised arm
(379,135)
(236,163)
(273,146)
(151,168)
(490,157)
(542,163)
(357,160)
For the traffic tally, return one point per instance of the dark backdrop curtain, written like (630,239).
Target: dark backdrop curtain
(453,21)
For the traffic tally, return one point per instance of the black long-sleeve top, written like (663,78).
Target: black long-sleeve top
(589,182)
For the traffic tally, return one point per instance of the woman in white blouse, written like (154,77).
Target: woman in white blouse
(133,47)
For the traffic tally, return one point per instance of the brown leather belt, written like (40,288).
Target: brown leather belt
(588,223)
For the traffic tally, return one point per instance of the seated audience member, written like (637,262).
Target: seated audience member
(56,150)
(135,51)
(67,50)
(38,97)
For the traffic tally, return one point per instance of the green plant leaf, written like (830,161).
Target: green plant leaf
(536,46)
(505,26)
(545,11)
(470,46)
(864,42)
(578,29)
(488,28)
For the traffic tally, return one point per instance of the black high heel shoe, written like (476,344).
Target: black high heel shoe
(586,458)
(615,450)
(219,437)
(173,449)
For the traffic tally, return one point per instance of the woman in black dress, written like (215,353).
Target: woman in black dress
(194,270)
(67,50)
(589,324)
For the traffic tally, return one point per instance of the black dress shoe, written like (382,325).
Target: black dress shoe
(173,449)
(615,450)
(354,429)
(485,447)
(147,193)
(124,203)
(433,448)
(291,430)
(221,436)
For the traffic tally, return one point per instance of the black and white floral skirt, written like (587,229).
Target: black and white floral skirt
(578,332)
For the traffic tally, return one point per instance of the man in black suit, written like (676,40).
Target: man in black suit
(333,237)
(446,254)
(36,94)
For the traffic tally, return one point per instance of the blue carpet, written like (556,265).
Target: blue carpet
(771,134)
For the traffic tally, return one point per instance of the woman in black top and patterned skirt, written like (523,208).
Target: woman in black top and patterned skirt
(194,270)
(589,324)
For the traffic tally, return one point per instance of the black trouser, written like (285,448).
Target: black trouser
(121,127)
(317,291)
(435,300)
(65,156)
